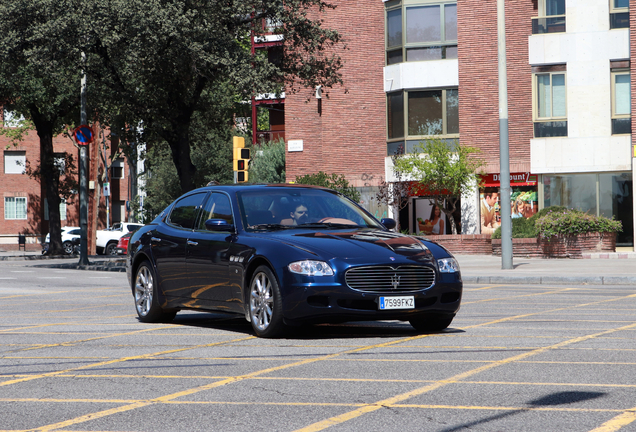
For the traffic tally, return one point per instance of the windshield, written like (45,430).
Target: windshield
(288,208)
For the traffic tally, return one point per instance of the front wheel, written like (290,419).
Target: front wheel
(265,302)
(68,247)
(145,293)
(432,323)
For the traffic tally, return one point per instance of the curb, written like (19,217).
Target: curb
(551,280)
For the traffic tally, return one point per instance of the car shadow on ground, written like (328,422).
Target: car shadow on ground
(353,329)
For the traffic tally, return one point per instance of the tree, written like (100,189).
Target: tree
(444,170)
(394,193)
(158,57)
(268,163)
(334,181)
(40,80)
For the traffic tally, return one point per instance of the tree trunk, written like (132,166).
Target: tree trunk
(179,141)
(50,179)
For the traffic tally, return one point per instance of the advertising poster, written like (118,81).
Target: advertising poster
(429,219)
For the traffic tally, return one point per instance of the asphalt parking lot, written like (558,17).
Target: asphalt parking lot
(73,357)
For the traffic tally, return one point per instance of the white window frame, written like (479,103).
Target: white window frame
(14,161)
(118,163)
(614,9)
(542,9)
(15,215)
(535,98)
(615,73)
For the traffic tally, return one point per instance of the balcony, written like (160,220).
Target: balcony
(549,24)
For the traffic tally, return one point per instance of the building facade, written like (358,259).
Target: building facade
(24,208)
(417,69)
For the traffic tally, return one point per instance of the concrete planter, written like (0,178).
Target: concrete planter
(559,246)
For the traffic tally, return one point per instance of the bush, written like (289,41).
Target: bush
(521,228)
(334,181)
(571,222)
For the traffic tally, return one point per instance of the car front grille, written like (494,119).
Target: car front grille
(389,279)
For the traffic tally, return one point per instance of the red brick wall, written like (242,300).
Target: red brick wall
(350,136)
(478,80)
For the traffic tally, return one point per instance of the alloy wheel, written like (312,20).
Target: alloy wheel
(261,301)
(144,286)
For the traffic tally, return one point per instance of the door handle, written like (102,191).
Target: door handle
(192,243)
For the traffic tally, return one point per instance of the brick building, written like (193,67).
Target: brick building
(424,68)
(24,207)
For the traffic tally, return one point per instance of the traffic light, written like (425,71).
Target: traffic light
(241,159)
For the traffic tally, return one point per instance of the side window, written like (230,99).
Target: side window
(184,212)
(217,207)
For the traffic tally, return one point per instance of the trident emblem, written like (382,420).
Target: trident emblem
(395,281)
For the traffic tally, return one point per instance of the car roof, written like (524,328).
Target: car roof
(248,187)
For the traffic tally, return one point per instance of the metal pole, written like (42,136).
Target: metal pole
(504,161)
(83,178)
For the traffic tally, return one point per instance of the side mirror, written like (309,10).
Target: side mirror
(388,223)
(218,225)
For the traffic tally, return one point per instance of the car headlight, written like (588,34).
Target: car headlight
(311,268)
(447,265)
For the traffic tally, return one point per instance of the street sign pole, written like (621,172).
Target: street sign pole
(83,180)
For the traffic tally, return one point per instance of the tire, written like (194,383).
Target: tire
(432,323)
(145,293)
(265,303)
(68,247)
(111,249)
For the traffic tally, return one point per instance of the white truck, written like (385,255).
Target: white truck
(107,239)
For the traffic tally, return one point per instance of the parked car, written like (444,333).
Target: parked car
(282,255)
(122,245)
(68,234)
(107,239)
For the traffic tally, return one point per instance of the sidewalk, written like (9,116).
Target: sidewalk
(599,269)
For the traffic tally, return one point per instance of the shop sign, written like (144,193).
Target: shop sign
(516,179)
(418,189)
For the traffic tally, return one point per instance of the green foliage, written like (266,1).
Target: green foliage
(572,222)
(521,228)
(444,168)
(268,163)
(157,59)
(337,182)
(559,220)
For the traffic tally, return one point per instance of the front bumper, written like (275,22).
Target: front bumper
(336,302)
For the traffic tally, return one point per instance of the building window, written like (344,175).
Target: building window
(419,32)
(62,209)
(551,17)
(15,208)
(117,169)
(14,162)
(619,14)
(422,114)
(550,117)
(621,103)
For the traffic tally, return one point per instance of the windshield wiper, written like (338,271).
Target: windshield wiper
(267,226)
(326,224)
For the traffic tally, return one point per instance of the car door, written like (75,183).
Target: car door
(169,241)
(208,257)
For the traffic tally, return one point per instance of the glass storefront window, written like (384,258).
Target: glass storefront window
(615,196)
(574,191)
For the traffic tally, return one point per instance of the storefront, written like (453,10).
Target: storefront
(601,194)
(424,218)
(524,199)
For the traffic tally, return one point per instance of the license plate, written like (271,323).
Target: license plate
(385,303)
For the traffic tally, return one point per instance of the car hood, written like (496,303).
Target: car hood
(359,245)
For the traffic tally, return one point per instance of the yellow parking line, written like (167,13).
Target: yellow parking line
(617,422)
(520,296)
(119,360)
(318,426)
(484,288)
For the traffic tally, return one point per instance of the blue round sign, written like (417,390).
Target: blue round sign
(83,134)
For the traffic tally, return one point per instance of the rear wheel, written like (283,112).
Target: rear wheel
(432,323)
(145,293)
(265,301)
(111,249)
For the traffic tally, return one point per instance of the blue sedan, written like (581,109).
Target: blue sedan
(284,255)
